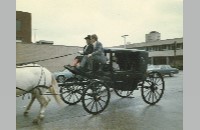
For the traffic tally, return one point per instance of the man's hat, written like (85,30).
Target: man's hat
(88,37)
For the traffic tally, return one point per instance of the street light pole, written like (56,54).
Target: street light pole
(124,36)
(35,35)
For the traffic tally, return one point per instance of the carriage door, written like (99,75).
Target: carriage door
(123,76)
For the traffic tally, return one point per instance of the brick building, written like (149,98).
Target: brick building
(23,26)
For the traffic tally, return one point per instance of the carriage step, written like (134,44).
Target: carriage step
(49,93)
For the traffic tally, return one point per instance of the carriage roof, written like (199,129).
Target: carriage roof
(123,50)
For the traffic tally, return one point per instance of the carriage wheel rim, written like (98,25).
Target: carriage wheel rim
(97,102)
(155,91)
(71,96)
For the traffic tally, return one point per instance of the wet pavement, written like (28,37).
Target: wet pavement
(121,113)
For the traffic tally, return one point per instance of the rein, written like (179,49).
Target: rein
(26,66)
(25,63)
(37,87)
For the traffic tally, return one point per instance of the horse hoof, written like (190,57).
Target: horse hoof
(25,113)
(41,117)
(36,121)
(48,99)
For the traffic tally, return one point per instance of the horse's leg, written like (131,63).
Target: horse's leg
(43,104)
(30,104)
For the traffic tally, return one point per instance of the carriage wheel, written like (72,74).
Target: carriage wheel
(71,92)
(61,79)
(123,94)
(153,88)
(96,97)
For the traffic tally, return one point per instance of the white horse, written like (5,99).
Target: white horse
(35,79)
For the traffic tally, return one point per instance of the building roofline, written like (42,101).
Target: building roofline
(156,41)
(23,12)
(46,44)
(151,43)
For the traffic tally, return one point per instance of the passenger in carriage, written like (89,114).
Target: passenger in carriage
(121,61)
(115,64)
(87,49)
(124,61)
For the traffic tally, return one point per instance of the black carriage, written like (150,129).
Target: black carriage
(125,71)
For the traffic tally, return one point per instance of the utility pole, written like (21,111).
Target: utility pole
(124,36)
(175,53)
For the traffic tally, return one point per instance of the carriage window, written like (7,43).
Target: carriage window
(130,61)
(124,61)
(115,63)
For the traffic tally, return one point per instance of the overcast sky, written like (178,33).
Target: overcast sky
(67,22)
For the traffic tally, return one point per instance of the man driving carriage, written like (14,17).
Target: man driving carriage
(97,56)
(87,49)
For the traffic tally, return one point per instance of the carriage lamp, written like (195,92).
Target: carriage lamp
(124,36)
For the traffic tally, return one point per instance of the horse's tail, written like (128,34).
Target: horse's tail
(54,85)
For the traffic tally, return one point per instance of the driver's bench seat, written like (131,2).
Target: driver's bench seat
(100,67)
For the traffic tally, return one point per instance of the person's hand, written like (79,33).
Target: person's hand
(80,52)
(89,55)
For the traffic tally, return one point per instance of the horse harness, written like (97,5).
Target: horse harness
(38,86)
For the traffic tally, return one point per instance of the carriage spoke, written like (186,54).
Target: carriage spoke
(89,103)
(88,98)
(102,100)
(67,95)
(104,96)
(100,105)
(96,106)
(73,98)
(152,97)
(65,92)
(159,84)
(149,82)
(155,96)
(146,90)
(92,106)
(147,94)
(70,97)
(157,92)
(159,79)
(76,96)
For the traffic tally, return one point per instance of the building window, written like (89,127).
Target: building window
(179,46)
(170,47)
(18,25)
(156,48)
(163,47)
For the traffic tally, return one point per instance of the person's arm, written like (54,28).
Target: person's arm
(89,50)
(98,50)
